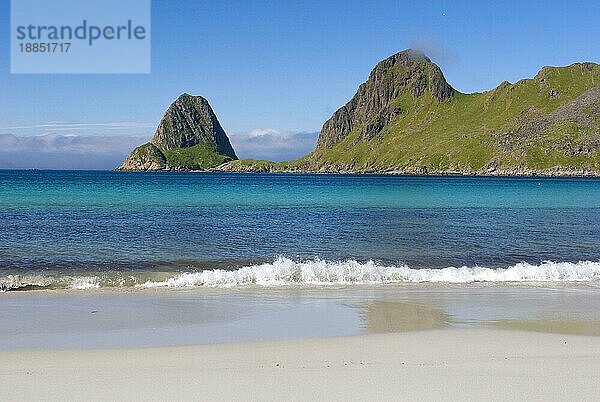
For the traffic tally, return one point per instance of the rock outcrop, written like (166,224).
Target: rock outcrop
(191,121)
(145,157)
(188,137)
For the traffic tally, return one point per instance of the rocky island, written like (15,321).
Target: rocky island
(407,119)
(188,137)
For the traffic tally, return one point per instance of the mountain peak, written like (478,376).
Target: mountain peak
(373,106)
(414,69)
(185,97)
(189,121)
(410,54)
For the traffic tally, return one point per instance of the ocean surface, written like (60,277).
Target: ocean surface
(91,229)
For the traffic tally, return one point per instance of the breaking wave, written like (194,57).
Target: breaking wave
(78,282)
(284,271)
(287,272)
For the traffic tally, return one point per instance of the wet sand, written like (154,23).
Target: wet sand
(104,319)
(447,364)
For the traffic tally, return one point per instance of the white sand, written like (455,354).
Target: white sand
(469,364)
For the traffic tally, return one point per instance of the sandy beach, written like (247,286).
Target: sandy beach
(371,343)
(450,364)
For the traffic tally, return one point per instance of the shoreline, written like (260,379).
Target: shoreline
(541,174)
(447,364)
(510,173)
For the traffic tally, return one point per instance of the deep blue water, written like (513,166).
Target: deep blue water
(89,221)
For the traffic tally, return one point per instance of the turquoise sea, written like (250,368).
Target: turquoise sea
(90,229)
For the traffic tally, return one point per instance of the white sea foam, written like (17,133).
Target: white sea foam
(85,282)
(17,282)
(284,271)
(287,272)
(14,282)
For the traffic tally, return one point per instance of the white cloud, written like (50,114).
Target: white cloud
(60,151)
(272,144)
(68,150)
(63,125)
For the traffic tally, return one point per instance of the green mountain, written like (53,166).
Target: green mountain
(188,137)
(406,118)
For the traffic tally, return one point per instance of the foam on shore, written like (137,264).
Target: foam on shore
(284,271)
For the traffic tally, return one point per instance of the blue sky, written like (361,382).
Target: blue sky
(277,68)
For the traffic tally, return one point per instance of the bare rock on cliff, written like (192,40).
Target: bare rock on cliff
(191,121)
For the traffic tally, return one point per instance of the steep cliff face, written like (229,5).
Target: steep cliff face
(188,137)
(191,121)
(373,106)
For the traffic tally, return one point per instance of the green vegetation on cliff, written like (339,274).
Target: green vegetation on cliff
(145,157)
(197,157)
(200,156)
(256,165)
(552,120)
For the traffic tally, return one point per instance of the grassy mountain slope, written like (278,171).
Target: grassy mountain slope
(199,156)
(551,120)
(407,119)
